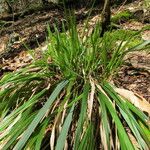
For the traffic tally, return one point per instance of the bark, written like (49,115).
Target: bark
(10,7)
(106,15)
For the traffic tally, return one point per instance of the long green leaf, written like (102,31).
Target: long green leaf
(105,123)
(62,137)
(18,128)
(130,119)
(139,46)
(7,120)
(121,130)
(39,116)
(81,117)
(41,135)
(87,142)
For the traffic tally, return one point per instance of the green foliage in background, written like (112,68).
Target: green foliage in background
(122,16)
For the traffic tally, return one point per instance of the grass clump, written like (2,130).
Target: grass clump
(66,99)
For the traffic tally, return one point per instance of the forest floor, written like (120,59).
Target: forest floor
(25,32)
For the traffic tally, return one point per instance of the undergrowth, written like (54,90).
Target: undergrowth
(122,16)
(66,100)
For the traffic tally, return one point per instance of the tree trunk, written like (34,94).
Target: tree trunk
(106,15)
(10,7)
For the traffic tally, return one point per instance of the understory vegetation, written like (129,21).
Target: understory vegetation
(66,100)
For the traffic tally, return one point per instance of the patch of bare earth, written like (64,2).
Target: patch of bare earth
(136,75)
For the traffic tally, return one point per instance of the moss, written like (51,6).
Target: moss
(122,16)
(147,27)
(125,35)
(119,34)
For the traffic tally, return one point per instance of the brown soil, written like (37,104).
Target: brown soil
(135,75)
(31,30)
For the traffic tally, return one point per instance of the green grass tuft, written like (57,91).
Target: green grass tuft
(65,99)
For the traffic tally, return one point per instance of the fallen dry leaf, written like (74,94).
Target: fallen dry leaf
(133,140)
(91,99)
(135,99)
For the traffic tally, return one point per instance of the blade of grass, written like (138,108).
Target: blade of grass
(20,144)
(139,46)
(63,134)
(7,120)
(82,117)
(130,119)
(21,125)
(87,141)
(105,125)
(123,135)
